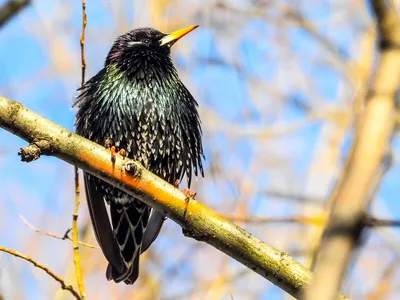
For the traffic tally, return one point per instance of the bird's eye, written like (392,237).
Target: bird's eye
(146,41)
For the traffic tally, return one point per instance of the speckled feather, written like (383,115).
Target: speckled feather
(139,103)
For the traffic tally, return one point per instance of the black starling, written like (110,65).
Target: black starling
(137,103)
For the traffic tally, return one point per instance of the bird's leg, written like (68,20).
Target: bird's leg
(188,193)
(109,146)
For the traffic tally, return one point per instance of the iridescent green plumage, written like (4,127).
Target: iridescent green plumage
(138,102)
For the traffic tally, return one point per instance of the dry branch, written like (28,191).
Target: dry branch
(64,286)
(197,220)
(354,193)
(75,215)
(56,236)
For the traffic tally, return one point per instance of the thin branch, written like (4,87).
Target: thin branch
(82,42)
(249,219)
(10,9)
(197,220)
(318,220)
(56,236)
(77,260)
(215,124)
(294,197)
(373,222)
(372,142)
(64,286)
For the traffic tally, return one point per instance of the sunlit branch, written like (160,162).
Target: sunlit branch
(197,221)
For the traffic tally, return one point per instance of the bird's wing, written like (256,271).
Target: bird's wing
(101,224)
(129,223)
(153,229)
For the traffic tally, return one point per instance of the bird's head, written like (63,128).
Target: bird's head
(144,43)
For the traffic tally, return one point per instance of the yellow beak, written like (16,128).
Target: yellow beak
(173,37)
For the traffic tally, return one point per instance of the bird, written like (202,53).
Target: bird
(137,105)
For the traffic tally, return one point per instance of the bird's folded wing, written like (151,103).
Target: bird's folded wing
(153,229)
(101,224)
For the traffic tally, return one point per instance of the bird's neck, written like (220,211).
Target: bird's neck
(139,67)
(142,89)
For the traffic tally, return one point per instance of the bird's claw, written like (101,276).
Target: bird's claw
(122,152)
(176,183)
(113,150)
(188,193)
(107,144)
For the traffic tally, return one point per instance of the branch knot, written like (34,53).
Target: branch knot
(34,150)
(134,168)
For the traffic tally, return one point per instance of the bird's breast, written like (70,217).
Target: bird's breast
(143,122)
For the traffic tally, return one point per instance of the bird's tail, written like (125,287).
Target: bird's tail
(129,222)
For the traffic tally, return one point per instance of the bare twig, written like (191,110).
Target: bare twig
(353,195)
(82,42)
(197,220)
(249,219)
(294,197)
(56,236)
(318,220)
(11,8)
(64,286)
(77,261)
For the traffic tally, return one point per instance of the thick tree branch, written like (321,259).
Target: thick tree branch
(10,9)
(363,168)
(197,220)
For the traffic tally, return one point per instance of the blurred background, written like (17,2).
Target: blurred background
(279,84)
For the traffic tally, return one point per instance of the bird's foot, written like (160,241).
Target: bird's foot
(122,152)
(113,150)
(108,144)
(176,183)
(188,193)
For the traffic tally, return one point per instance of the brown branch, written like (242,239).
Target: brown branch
(64,286)
(373,135)
(53,235)
(197,220)
(11,9)
(82,42)
(77,260)
(317,220)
